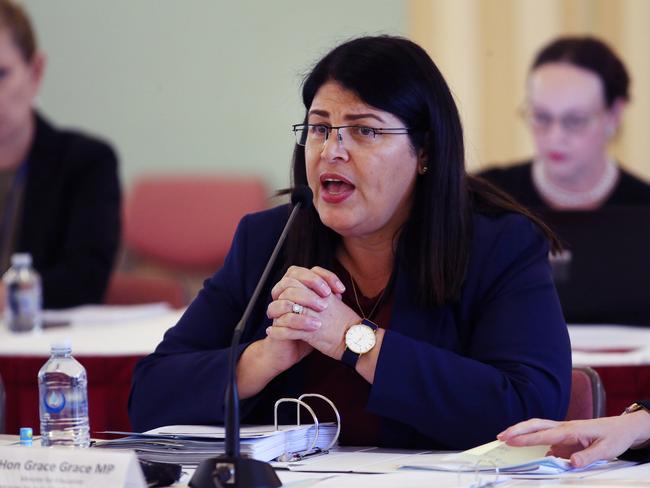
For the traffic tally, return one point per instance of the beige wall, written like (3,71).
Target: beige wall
(194,85)
(484,48)
(213,85)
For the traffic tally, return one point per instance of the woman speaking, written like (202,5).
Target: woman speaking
(415,297)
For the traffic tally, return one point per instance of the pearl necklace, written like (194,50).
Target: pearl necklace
(575,199)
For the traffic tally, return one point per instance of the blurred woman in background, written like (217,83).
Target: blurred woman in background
(59,190)
(576,95)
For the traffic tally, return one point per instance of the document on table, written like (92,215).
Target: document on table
(498,456)
(403,479)
(353,460)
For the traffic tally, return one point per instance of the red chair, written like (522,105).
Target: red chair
(187,222)
(587,394)
(134,288)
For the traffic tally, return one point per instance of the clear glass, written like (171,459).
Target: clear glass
(571,123)
(63,401)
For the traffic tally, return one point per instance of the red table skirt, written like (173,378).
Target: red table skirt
(624,385)
(109,383)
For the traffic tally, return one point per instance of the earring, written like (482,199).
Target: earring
(423,169)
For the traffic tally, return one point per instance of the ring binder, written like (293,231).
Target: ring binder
(192,444)
(312,450)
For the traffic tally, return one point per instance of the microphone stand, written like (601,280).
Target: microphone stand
(231,469)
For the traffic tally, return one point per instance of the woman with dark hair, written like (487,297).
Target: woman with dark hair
(417,298)
(577,91)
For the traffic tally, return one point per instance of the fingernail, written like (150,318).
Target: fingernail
(322,304)
(340,286)
(268,329)
(315,323)
(325,288)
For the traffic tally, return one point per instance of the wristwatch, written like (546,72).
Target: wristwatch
(359,339)
(636,406)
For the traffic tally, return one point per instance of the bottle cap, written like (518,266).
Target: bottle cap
(61,345)
(26,436)
(21,259)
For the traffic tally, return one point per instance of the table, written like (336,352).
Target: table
(108,341)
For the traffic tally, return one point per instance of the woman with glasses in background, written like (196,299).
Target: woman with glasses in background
(414,296)
(577,92)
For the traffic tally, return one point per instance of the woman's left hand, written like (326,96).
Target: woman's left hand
(323,326)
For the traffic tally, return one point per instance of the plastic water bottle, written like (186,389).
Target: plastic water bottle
(63,394)
(22,295)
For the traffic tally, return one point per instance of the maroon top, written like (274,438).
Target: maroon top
(344,386)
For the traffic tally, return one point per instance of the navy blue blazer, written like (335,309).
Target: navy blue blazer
(448,377)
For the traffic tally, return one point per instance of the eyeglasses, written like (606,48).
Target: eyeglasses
(360,135)
(573,123)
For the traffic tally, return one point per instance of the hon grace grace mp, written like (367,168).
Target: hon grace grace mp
(62,467)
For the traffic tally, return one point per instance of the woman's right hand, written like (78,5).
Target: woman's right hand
(284,353)
(263,360)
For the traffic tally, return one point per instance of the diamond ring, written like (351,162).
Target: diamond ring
(297,308)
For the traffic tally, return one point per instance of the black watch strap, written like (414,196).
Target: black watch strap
(350,358)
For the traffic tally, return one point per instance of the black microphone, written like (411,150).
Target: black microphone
(231,469)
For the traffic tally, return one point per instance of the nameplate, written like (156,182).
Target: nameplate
(58,467)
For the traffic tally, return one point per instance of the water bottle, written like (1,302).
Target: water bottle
(22,295)
(63,406)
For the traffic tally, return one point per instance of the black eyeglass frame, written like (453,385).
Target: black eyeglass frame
(375,130)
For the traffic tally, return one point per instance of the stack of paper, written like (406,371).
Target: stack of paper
(497,456)
(191,444)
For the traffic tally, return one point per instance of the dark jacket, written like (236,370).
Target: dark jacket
(71,214)
(517,180)
(448,377)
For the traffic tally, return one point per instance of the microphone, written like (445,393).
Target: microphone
(231,469)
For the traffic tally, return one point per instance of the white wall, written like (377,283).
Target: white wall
(194,85)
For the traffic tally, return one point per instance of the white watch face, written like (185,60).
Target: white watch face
(360,338)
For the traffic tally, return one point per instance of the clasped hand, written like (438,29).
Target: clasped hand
(324,318)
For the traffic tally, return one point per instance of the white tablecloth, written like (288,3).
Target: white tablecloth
(96,331)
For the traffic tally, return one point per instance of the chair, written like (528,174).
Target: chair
(182,226)
(188,222)
(133,288)
(587,394)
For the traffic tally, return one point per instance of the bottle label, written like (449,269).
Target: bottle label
(54,401)
(27,301)
(23,307)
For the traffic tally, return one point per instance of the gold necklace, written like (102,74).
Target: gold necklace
(356,299)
